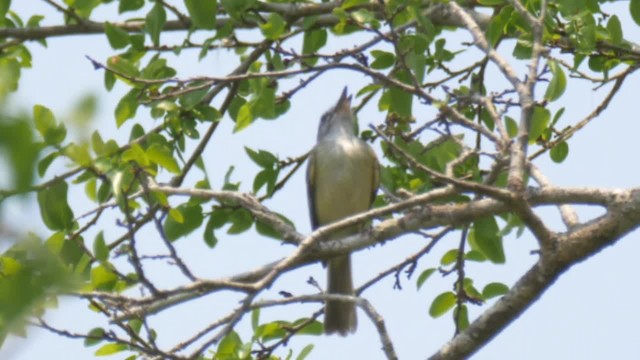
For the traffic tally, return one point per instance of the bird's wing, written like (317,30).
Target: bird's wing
(311,196)
(375,176)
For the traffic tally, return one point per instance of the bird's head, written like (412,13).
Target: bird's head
(338,120)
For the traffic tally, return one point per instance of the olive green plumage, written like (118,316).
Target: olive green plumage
(342,179)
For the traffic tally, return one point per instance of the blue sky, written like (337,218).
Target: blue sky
(589,313)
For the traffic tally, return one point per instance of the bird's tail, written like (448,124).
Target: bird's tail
(340,316)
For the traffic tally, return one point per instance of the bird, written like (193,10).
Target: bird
(343,175)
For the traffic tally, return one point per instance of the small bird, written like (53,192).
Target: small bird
(342,179)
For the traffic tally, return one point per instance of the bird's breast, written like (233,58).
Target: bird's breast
(343,179)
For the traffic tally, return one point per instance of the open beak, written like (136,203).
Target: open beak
(344,103)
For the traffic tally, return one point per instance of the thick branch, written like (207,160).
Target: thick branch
(573,246)
(420,216)
(438,14)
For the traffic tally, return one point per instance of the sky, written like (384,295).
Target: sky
(589,313)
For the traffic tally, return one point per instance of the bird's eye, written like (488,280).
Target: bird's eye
(325,117)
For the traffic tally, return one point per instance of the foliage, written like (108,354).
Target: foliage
(487,136)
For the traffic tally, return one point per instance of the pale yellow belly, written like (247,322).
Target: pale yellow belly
(344,181)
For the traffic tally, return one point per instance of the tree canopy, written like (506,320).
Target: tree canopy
(179,257)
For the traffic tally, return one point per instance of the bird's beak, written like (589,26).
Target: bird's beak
(344,103)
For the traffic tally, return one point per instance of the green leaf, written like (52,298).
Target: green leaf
(117,185)
(90,189)
(615,30)
(369,88)
(110,349)
(364,16)
(193,218)
(442,303)
(559,152)
(129,5)
(207,113)
(94,337)
(415,46)
(383,59)
(137,42)
(136,154)
(539,123)
(255,318)
(126,108)
(176,215)
(424,276)
(135,325)
(342,15)
(262,158)
(193,98)
(154,22)
(241,220)
(274,61)
(305,352)
(597,63)
(109,80)
(97,143)
(209,233)
(44,119)
(486,237)
(494,289)
(400,101)
(558,82)
(9,76)
(313,328)
(203,13)
(475,255)
(51,132)
(100,248)
(271,331)
(44,164)
(70,252)
(274,27)
(122,66)
(522,50)
(634,8)
(219,217)
(491,2)
(244,119)
(557,116)
(498,25)
(511,125)
(118,38)
(264,103)
(33,22)
(104,192)
(584,28)
(449,257)
(229,346)
(161,155)
(266,230)
(83,7)
(79,154)
(102,278)
(54,209)
(19,152)
(237,8)
(347,4)
(313,41)
(228,185)
(467,285)
(55,243)
(4,7)
(461,316)
(265,177)
(157,69)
